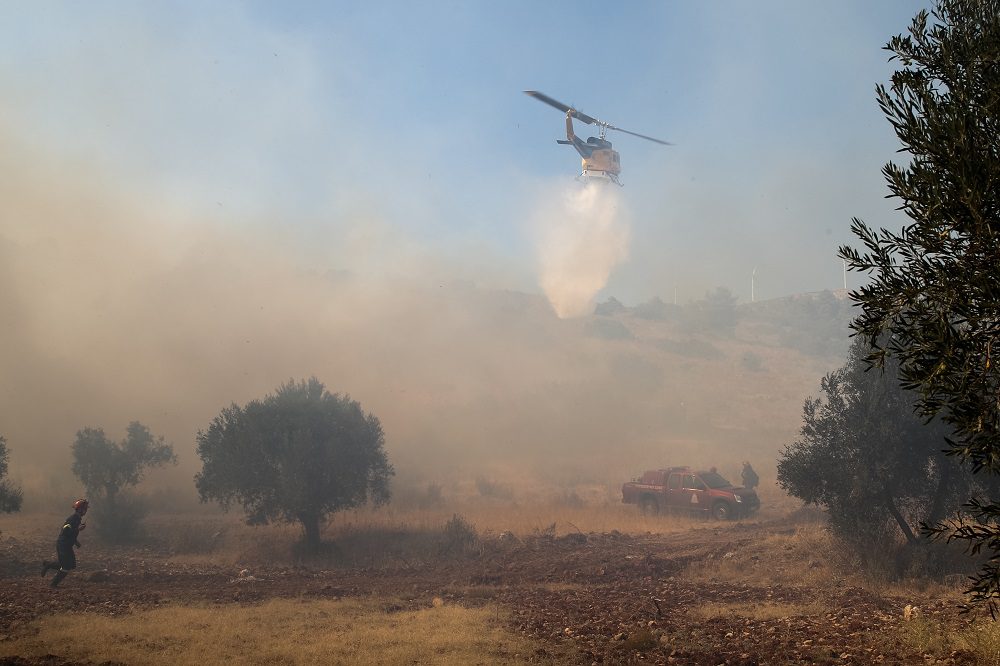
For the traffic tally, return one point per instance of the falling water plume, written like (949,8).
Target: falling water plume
(582,235)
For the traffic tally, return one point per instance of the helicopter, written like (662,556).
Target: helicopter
(600,160)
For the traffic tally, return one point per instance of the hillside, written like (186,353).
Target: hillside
(467,381)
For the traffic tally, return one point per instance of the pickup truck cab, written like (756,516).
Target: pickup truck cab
(687,490)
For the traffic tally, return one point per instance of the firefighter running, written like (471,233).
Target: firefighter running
(68,539)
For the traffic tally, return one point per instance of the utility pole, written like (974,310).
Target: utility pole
(845,273)
(753,285)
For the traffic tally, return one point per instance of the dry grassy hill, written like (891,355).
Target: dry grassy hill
(597,399)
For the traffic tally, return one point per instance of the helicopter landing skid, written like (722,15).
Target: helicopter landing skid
(589,176)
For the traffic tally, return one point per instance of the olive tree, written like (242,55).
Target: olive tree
(933,302)
(10,495)
(108,470)
(297,455)
(871,462)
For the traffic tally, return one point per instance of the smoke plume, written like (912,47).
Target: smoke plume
(118,306)
(581,237)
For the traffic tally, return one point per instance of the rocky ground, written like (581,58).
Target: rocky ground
(611,598)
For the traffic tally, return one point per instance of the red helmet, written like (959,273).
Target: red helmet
(80,504)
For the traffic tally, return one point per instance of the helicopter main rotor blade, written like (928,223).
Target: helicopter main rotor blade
(641,136)
(582,117)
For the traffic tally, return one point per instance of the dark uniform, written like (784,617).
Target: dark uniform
(65,542)
(750,478)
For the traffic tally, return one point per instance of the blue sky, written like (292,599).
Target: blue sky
(314,119)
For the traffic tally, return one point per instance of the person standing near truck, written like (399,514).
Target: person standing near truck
(67,540)
(750,478)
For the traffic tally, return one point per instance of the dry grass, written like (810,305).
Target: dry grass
(798,555)
(525,507)
(279,632)
(980,639)
(808,556)
(759,611)
(392,536)
(521,519)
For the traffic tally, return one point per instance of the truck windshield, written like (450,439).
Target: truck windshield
(714,480)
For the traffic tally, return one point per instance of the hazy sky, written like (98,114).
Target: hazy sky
(405,123)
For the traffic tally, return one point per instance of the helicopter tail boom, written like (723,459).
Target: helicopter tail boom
(572,139)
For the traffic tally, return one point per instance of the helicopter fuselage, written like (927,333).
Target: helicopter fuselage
(599,160)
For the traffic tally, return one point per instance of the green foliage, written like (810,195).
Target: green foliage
(816,324)
(656,310)
(720,310)
(459,536)
(297,455)
(107,469)
(869,460)
(934,296)
(10,495)
(715,314)
(610,307)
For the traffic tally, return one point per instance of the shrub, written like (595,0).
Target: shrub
(459,536)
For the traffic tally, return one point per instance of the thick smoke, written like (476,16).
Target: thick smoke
(118,307)
(581,236)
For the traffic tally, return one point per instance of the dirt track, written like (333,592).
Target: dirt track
(615,598)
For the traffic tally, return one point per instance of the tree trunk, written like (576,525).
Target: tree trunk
(937,507)
(907,532)
(310,523)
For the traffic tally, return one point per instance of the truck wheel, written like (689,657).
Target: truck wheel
(649,506)
(721,511)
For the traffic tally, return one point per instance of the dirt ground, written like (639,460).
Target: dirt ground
(603,598)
